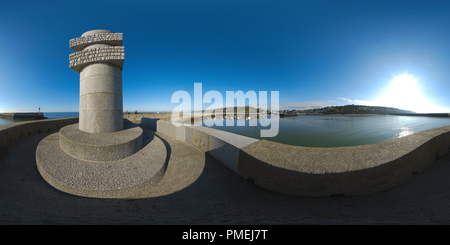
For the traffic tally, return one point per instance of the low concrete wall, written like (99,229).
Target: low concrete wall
(315,171)
(357,170)
(221,145)
(14,131)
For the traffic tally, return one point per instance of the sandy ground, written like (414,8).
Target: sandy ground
(206,192)
(136,118)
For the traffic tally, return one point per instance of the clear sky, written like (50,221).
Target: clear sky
(315,53)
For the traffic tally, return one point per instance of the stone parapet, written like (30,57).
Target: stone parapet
(221,145)
(356,170)
(15,131)
(315,171)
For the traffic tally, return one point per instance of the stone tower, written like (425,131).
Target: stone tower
(99,60)
(101,156)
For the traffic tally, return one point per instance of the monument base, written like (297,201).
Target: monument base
(121,178)
(100,147)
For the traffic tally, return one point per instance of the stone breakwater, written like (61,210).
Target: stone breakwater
(14,131)
(314,171)
(293,170)
(26,115)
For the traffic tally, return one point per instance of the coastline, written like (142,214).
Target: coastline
(369,114)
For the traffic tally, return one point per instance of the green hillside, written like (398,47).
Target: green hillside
(363,109)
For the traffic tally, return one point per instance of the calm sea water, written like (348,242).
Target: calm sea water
(323,130)
(56,115)
(6,121)
(50,115)
(340,130)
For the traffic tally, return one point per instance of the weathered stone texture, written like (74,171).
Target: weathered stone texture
(113,55)
(110,38)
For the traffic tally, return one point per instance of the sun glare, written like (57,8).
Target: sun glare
(404,93)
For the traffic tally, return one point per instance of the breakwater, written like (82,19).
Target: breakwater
(422,114)
(15,131)
(315,171)
(23,115)
(288,169)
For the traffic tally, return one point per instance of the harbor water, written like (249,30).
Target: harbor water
(339,130)
(320,130)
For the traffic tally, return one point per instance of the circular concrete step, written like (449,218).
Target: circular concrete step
(100,147)
(109,179)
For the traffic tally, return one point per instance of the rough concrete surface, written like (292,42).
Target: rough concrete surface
(356,170)
(122,178)
(100,147)
(197,189)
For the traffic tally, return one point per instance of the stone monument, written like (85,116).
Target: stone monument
(101,156)
(99,60)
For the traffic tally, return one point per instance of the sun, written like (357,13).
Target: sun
(404,92)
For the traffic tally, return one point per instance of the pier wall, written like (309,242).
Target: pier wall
(315,171)
(14,131)
(25,115)
(294,170)
(223,146)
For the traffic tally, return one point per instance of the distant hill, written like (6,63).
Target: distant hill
(363,109)
(346,109)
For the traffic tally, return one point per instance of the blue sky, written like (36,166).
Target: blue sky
(315,53)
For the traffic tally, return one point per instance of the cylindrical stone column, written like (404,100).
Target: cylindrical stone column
(99,60)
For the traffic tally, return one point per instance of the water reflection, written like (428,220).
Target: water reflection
(339,130)
(404,131)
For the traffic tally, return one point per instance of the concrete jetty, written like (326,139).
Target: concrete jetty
(23,115)
(315,171)
(199,189)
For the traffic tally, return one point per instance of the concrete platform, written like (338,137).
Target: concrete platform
(120,178)
(100,147)
(197,189)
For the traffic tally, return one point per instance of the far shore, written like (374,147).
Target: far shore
(136,118)
(367,114)
(167,116)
